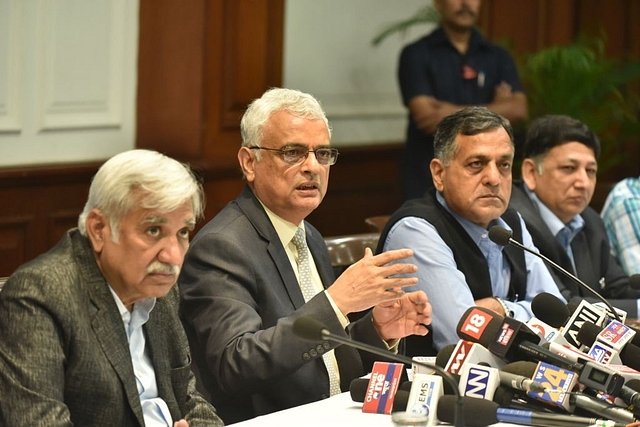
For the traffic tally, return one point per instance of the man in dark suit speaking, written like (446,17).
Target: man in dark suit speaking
(559,178)
(258,266)
(90,330)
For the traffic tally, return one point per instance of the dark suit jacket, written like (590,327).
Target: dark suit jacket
(65,357)
(240,297)
(591,252)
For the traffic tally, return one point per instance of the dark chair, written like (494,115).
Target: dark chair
(377,223)
(346,250)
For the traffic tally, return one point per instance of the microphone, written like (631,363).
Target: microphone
(502,237)
(443,356)
(424,394)
(470,352)
(629,354)
(360,391)
(312,330)
(518,375)
(634,281)
(550,309)
(382,387)
(512,339)
(479,381)
(601,408)
(480,413)
(632,394)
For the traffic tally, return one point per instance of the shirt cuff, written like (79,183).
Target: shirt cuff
(344,320)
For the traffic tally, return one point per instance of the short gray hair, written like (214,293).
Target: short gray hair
(468,121)
(163,182)
(295,102)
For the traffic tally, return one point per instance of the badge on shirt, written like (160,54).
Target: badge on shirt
(468,73)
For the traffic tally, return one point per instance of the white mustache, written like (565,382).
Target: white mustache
(162,268)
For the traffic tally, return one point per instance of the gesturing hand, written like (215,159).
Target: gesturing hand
(407,315)
(372,280)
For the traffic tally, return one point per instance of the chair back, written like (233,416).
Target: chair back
(348,249)
(377,223)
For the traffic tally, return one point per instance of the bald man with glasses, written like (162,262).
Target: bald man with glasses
(258,266)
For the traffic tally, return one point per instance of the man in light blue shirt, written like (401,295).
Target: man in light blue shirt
(458,266)
(621,216)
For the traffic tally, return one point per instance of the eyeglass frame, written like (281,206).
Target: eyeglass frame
(283,150)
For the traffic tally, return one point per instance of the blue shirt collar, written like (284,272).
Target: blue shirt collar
(138,316)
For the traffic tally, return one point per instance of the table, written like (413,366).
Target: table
(337,411)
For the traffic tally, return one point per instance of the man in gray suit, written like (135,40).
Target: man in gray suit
(248,276)
(90,330)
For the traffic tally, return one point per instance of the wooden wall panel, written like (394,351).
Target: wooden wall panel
(612,20)
(39,204)
(16,234)
(243,59)
(364,182)
(170,77)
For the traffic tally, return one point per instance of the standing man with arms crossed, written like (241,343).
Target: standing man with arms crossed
(559,178)
(247,274)
(453,67)
(90,330)
(458,265)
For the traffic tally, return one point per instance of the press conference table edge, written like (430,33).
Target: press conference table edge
(337,411)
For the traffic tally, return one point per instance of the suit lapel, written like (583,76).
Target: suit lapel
(107,324)
(155,332)
(542,237)
(251,207)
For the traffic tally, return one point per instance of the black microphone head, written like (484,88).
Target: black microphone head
(630,356)
(521,367)
(500,235)
(634,281)
(400,400)
(572,307)
(405,385)
(477,412)
(308,328)
(550,309)
(503,396)
(588,333)
(468,329)
(634,384)
(443,356)
(358,389)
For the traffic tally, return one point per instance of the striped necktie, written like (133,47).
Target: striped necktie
(308,292)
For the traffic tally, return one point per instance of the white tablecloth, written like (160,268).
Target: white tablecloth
(338,411)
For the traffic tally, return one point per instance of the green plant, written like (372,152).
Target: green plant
(580,81)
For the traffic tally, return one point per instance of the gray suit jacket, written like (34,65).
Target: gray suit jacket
(65,358)
(591,252)
(240,297)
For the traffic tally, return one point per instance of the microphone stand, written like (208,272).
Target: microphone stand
(569,275)
(459,411)
(502,237)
